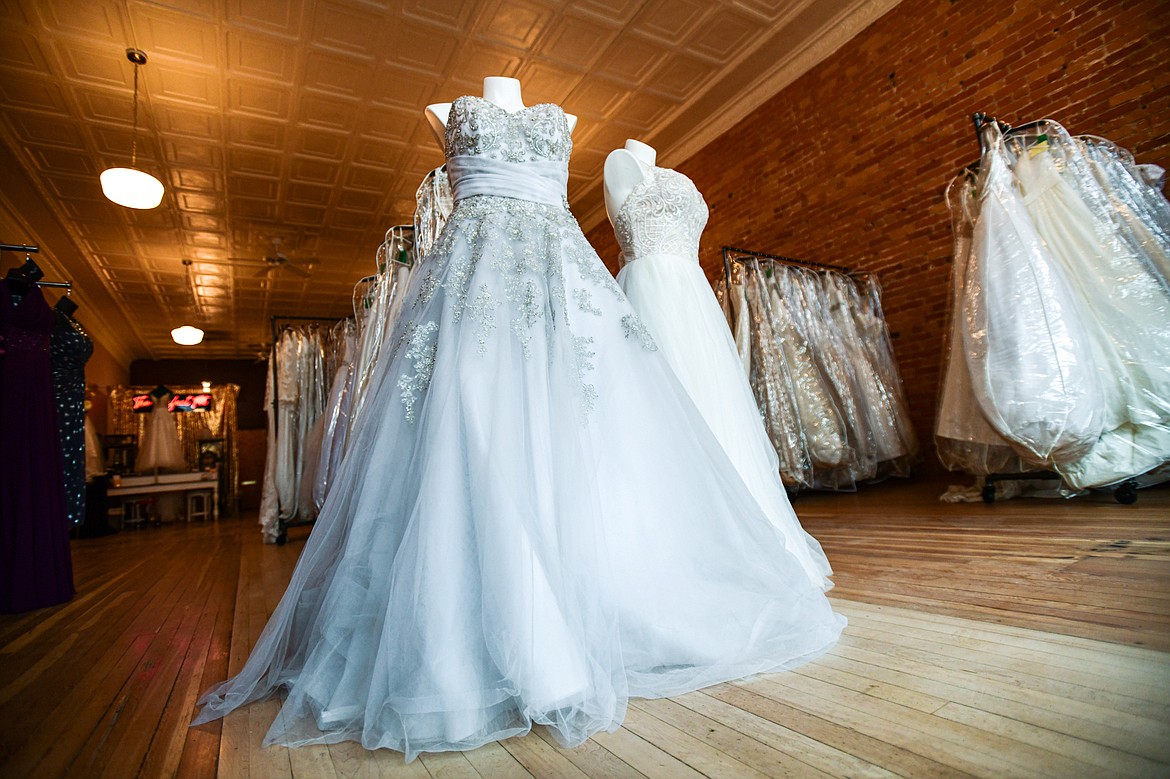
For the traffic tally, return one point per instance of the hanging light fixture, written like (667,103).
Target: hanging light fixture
(131,187)
(187,335)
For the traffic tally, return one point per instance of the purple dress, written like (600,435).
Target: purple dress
(35,566)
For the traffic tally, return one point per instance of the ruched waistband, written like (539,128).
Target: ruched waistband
(544,181)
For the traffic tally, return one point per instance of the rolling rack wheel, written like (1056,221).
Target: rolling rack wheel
(988,493)
(282,539)
(1126,492)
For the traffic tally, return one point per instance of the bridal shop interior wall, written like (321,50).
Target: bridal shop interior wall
(848,164)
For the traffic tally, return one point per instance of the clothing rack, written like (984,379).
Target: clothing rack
(27,249)
(732,254)
(288,321)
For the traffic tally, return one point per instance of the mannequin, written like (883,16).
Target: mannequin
(501,90)
(624,169)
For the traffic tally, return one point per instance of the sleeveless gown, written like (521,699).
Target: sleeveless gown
(532,522)
(658,228)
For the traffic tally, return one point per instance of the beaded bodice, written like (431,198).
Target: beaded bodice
(664,214)
(480,128)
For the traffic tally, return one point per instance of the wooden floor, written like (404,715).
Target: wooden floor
(1027,638)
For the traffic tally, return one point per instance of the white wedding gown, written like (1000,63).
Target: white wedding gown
(658,227)
(532,522)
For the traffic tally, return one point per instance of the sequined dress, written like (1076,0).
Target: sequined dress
(532,522)
(71,348)
(658,227)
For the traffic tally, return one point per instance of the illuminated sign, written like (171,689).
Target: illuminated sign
(142,403)
(198,402)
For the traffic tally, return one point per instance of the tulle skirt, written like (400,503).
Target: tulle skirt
(672,296)
(532,523)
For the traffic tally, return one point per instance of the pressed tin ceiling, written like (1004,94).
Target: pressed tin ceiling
(302,121)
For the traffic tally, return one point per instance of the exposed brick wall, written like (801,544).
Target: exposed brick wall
(848,165)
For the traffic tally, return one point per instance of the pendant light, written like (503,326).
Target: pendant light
(187,335)
(131,187)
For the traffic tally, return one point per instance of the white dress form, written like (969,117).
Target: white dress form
(658,216)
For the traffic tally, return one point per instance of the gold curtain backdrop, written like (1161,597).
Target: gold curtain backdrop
(219,422)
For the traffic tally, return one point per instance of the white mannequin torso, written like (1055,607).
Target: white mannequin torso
(503,91)
(625,169)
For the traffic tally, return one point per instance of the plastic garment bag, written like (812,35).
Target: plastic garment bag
(1027,349)
(770,377)
(1124,302)
(963,438)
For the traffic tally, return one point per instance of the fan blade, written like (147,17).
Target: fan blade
(263,272)
(304,274)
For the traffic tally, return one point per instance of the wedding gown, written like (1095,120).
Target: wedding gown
(160,446)
(658,228)
(533,521)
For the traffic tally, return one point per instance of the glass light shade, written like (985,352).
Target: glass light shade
(187,335)
(131,188)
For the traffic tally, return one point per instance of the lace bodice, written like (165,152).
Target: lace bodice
(480,128)
(664,214)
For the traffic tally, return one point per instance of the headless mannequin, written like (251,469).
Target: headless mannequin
(503,91)
(625,169)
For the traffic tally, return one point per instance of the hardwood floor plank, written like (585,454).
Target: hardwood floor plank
(758,756)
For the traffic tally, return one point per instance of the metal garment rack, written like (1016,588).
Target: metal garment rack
(282,526)
(21,248)
(732,254)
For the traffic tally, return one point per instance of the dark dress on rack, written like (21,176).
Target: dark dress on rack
(71,348)
(35,566)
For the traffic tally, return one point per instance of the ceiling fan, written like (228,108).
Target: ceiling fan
(279,261)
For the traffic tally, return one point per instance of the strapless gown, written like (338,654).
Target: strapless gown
(658,228)
(532,522)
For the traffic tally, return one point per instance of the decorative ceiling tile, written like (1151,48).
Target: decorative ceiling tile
(423,48)
(21,50)
(33,94)
(630,59)
(455,15)
(337,75)
(244,160)
(670,21)
(308,194)
(282,17)
(189,86)
(37,129)
(165,34)
(724,35)
(380,153)
(515,23)
(187,122)
(261,56)
(188,152)
(103,67)
(97,21)
(547,83)
(329,111)
(259,98)
(259,133)
(617,12)
(576,42)
(471,64)
(681,77)
(771,10)
(402,88)
(348,30)
(596,99)
(326,144)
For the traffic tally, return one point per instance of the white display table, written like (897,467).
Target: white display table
(194,481)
